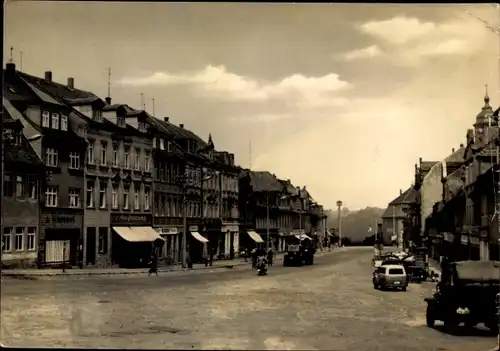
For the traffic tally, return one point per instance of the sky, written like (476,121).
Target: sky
(341,98)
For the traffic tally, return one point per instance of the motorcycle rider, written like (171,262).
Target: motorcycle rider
(261,264)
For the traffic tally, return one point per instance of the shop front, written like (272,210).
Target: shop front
(230,231)
(284,239)
(250,239)
(273,237)
(61,238)
(170,229)
(198,245)
(133,239)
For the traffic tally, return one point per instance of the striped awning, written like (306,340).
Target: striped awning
(199,237)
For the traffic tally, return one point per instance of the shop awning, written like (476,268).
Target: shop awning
(199,237)
(303,237)
(255,236)
(137,234)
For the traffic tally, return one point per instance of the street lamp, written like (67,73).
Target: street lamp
(339,206)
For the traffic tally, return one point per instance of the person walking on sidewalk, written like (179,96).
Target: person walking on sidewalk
(153,265)
(270,255)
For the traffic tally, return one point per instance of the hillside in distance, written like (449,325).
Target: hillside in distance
(355,224)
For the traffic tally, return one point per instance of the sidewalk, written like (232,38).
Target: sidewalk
(34,272)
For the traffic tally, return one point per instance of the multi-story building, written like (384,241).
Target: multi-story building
(229,211)
(260,193)
(61,221)
(117,175)
(23,171)
(394,216)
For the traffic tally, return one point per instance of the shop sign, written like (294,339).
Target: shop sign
(167,231)
(474,240)
(61,220)
(130,219)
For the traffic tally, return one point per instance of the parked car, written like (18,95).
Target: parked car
(467,293)
(390,276)
(293,256)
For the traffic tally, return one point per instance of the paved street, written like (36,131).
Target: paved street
(330,305)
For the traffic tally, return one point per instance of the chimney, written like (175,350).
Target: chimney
(108,100)
(400,191)
(452,150)
(181,125)
(48,76)
(10,67)
(166,119)
(71,82)
(420,160)
(461,145)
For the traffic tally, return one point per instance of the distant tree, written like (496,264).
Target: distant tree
(355,225)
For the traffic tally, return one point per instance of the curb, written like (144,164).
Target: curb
(76,272)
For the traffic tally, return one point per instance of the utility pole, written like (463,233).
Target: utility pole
(339,221)
(267,216)
(394,234)
(182,181)
(153,106)
(21,61)
(143,104)
(11,54)
(109,82)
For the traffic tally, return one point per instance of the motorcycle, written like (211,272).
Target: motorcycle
(261,267)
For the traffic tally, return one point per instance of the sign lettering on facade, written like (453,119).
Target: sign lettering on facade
(61,220)
(139,219)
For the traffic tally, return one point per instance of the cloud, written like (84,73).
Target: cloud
(368,52)
(218,82)
(409,41)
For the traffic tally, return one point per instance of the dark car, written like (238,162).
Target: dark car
(466,294)
(293,256)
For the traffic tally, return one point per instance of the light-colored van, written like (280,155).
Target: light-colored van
(390,276)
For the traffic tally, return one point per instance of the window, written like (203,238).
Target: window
(126,155)
(32,187)
(7,239)
(74,160)
(154,142)
(90,152)
(147,193)
(103,240)
(45,119)
(146,161)
(162,144)
(125,198)
(115,155)
(74,198)
(90,194)
(142,127)
(20,187)
(18,138)
(31,238)
(102,195)
(169,146)
(114,196)
(51,196)
(8,186)
(51,157)
(121,122)
(137,204)
(104,146)
(97,114)
(55,121)
(64,122)
(137,162)
(19,243)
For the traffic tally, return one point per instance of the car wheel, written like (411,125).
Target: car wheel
(429,317)
(403,288)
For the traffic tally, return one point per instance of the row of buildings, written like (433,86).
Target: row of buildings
(451,206)
(91,182)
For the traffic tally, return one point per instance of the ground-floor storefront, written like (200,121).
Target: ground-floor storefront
(170,229)
(230,232)
(97,248)
(61,239)
(273,240)
(134,240)
(250,239)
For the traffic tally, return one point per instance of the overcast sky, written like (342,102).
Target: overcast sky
(341,98)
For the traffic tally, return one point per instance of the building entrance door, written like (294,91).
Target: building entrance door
(91,244)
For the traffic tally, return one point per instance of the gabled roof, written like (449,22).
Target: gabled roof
(69,95)
(289,187)
(393,211)
(23,153)
(264,182)
(454,182)
(407,197)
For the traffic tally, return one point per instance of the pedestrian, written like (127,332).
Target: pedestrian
(254,255)
(153,265)
(205,254)
(270,257)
